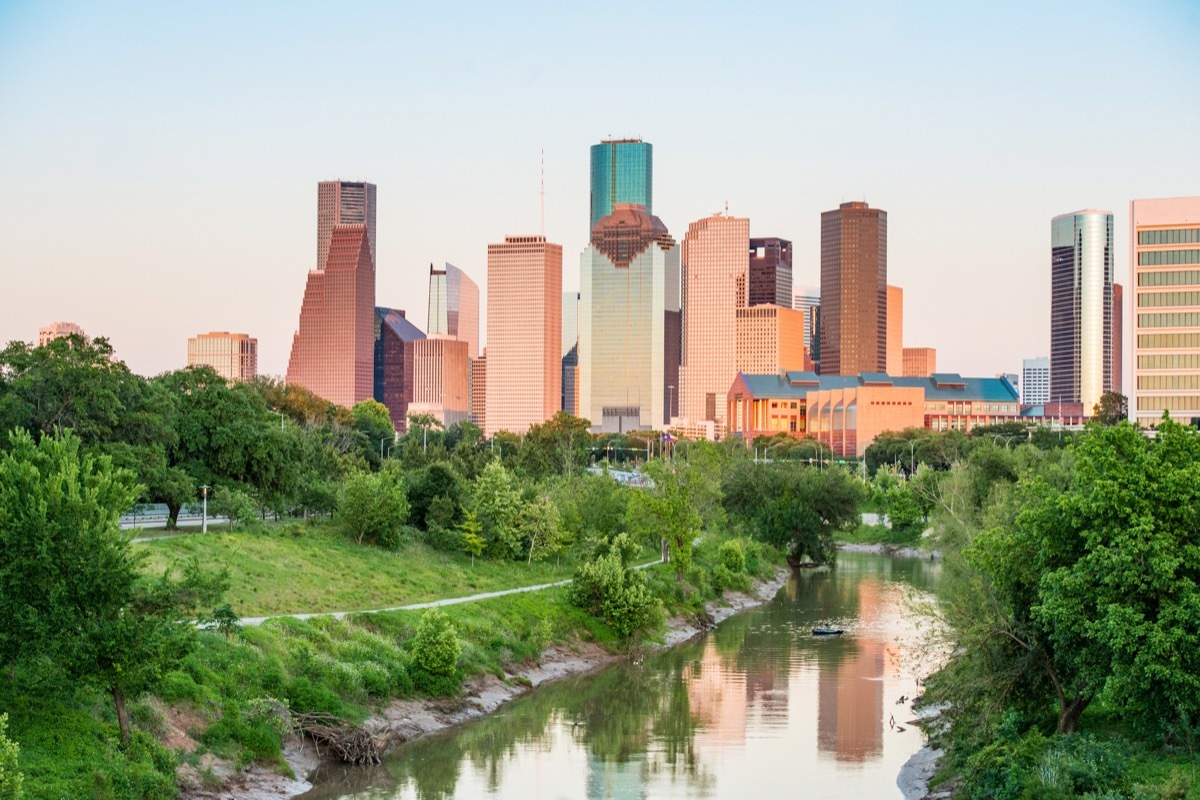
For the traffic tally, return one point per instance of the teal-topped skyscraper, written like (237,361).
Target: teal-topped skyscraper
(622,172)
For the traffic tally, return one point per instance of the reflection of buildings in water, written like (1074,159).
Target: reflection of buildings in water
(760,688)
(615,780)
(717,697)
(850,689)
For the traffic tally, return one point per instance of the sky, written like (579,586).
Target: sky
(159,161)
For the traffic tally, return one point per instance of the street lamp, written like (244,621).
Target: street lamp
(281,416)
(204,506)
(912,454)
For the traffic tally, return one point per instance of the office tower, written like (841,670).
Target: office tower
(917,362)
(234,356)
(807,299)
(1035,381)
(570,321)
(895,330)
(1164,257)
(622,172)
(393,360)
(769,339)
(333,353)
(714,260)
(344,203)
(441,370)
(454,306)
(58,330)
(628,305)
(853,290)
(478,413)
(1081,275)
(570,353)
(769,278)
(524,333)
(1117,384)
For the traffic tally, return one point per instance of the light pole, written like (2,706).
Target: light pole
(670,400)
(204,508)
(281,415)
(912,452)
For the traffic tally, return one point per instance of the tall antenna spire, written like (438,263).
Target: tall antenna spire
(543,191)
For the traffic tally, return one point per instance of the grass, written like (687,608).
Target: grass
(300,568)
(879,534)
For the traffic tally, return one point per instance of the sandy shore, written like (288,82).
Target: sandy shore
(483,694)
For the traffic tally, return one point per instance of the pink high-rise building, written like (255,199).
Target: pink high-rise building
(58,330)
(770,339)
(333,349)
(715,259)
(918,362)
(234,356)
(853,336)
(440,379)
(524,333)
(478,410)
(344,203)
(895,330)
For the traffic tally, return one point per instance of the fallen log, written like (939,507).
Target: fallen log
(351,743)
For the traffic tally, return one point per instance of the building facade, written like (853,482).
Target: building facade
(454,306)
(58,330)
(478,411)
(524,333)
(628,306)
(769,274)
(807,299)
(1117,384)
(895,330)
(344,203)
(1035,381)
(441,377)
(919,362)
(570,353)
(1164,236)
(1081,278)
(853,290)
(622,172)
(769,339)
(393,358)
(234,356)
(333,352)
(714,262)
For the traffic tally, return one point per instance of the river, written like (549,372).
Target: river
(754,709)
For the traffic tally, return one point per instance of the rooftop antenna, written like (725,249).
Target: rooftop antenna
(543,191)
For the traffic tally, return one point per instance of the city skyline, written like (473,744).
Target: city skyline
(961,146)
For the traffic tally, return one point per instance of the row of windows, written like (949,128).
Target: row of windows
(1187,402)
(1149,340)
(1170,361)
(1168,382)
(1182,319)
(1157,257)
(1176,277)
(1168,299)
(1178,236)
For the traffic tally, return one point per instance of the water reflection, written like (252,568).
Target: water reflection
(757,706)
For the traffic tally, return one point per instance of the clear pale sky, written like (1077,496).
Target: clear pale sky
(159,161)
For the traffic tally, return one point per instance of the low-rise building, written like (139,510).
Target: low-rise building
(234,356)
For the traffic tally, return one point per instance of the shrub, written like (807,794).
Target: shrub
(436,647)
(11,780)
(374,508)
(732,557)
(607,589)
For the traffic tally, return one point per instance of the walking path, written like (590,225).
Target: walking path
(418,606)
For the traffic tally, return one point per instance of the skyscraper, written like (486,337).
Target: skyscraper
(1117,384)
(1164,257)
(853,290)
(234,356)
(58,330)
(715,259)
(622,172)
(454,306)
(343,203)
(769,278)
(570,353)
(333,353)
(1081,276)
(628,306)
(807,299)
(1035,381)
(441,374)
(524,333)
(895,331)
(917,362)
(769,339)
(393,361)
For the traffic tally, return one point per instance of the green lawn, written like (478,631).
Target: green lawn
(297,568)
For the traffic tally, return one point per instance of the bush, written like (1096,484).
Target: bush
(11,780)
(607,589)
(436,647)
(374,508)
(732,557)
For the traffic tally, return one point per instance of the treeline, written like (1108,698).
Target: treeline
(1071,597)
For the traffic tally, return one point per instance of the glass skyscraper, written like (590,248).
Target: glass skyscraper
(622,172)
(1081,279)
(454,306)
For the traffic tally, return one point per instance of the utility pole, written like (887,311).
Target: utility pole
(204,505)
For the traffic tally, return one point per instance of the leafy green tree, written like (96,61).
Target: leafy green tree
(11,779)
(373,507)
(539,528)
(612,591)
(470,533)
(234,504)
(1112,408)
(672,508)
(430,482)
(498,505)
(559,446)
(372,419)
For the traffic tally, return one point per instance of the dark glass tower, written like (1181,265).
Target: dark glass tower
(622,172)
(770,273)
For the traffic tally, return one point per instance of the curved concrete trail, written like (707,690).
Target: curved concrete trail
(418,606)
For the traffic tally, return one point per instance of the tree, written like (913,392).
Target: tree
(498,505)
(470,532)
(71,592)
(670,510)
(233,504)
(558,446)
(11,780)
(540,529)
(374,507)
(373,420)
(608,588)
(1112,408)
